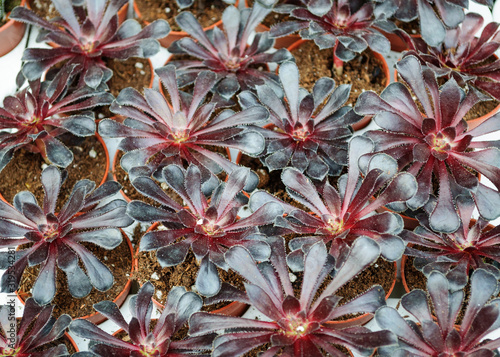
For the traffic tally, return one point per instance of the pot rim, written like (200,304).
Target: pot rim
(96,317)
(11,22)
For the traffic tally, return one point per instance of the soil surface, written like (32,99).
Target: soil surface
(69,345)
(134,72)
(119,261)
(364,72)
(415,279)
(24,170)
(183,274)
(411,28)
(9,5)
(206,12)
(44,8)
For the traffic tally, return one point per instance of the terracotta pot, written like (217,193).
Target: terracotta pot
(70,339)
(115,167)
(123,13)
(11,34)
(397,43)
(175,35)
(473,122)
(105,176)
(232,309)
(367,119)
(96,317)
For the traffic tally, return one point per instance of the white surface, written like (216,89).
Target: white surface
(10,64)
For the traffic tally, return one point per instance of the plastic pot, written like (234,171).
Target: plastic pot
(11,34)
(367,119)
(175,35)
(96,317)
(232,309)
(105,176)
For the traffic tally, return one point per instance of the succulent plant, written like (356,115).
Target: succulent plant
(53,239)
(430,139)
(435,16)
(144,340)
(158,132)
(339,216)
(463,56)
(210,226)
(226,52)
(347,26)
(441,337)
(36,115)
(85,34)
(310,136)
(455,253)
(23,341)
(298,325)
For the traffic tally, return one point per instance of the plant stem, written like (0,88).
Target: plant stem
(338,64)
(43,150)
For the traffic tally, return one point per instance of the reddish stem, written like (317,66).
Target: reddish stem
(338,64)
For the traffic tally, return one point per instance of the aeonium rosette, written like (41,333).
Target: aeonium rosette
(159,132)
(296,325)
(35,116)
(54,240)
(209,225)
(308,135)
(474,245)
(339,215)
(225,51)
(85,34)
(430,139)
(469,59)
(145,340)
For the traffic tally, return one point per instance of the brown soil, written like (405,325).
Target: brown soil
(119,261)
(364,72)
(24,170)
(481,109)
(44,8)
(415,279)
(411,28)
(183,274)
(9,5)
(206,12)
(69,346)
(122,177)
(134,72)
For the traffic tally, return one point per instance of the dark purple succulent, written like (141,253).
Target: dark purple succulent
(23,341)
(298,325)
(34,117)
(53,239)
(146,341)
(470,60)
(338,216)
(347,26)
(226,52)
(440,337)
(159,132)
(458,252)
(307,135)
(87,32)
(430,139)
(209,226)
(434,16)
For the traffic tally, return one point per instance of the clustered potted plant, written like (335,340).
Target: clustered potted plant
(306,225)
